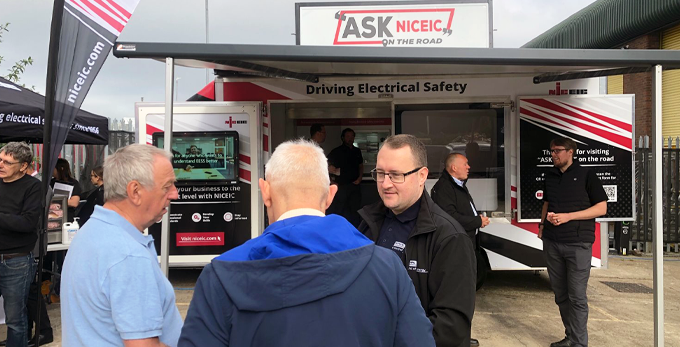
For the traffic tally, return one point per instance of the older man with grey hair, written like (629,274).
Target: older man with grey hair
(309,279)
(20,208)
(113,292)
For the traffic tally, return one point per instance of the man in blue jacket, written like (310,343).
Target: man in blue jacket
(309,279)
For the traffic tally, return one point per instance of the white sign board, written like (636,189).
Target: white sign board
(452,24)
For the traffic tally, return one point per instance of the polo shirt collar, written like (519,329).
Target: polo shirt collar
(301,212)
(574,165)
(112,217)
(410,214)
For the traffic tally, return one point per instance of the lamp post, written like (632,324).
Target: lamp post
(207,17)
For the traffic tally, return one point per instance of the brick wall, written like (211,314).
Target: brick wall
(640,84)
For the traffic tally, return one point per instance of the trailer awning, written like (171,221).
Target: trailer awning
(310,63)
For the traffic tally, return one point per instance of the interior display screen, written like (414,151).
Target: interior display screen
(203,157)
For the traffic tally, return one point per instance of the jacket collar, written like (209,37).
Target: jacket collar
(374,216)
(450,179)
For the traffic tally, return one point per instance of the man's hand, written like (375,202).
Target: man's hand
(540,231)
(485,221)
(558,218)
(358,181)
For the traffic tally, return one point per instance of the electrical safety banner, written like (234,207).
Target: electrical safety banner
(602,127)
(88,31)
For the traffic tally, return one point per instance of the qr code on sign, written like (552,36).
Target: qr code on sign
(611,193)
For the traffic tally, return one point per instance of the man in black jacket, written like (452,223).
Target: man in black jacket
(573,197)
(451,194)
(434,248)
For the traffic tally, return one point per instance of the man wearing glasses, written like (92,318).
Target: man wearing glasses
(20,208)
(435,249)
(573,197)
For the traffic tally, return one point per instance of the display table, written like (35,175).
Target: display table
(57,247)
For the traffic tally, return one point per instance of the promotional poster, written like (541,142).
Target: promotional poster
(602,128)
(211,157)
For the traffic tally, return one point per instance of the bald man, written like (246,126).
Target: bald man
(309,279)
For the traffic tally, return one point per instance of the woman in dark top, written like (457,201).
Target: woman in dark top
(93,197)
(62,174)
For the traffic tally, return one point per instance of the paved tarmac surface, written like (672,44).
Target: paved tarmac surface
(517,308)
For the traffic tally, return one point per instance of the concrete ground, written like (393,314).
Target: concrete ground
(517,308)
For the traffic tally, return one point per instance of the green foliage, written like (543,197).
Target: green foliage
(20,66)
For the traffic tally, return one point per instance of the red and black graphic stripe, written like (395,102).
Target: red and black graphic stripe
(518,252)
(205,94)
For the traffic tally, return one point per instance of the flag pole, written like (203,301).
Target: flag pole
(50,91)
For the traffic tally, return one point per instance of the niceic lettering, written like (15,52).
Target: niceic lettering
(84,73)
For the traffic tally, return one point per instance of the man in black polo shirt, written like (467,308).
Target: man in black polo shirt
(573,198)
(20,208)
(348,159)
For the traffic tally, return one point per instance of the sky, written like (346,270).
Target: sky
(122,82)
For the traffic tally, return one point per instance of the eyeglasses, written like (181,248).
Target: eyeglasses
(5,162)
(557,150)
(395,177)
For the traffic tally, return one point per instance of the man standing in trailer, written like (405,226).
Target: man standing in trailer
(317,132)
(347,159)
(573,197)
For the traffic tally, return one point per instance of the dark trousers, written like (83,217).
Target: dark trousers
(45,326)
(15,278)
(569,270)
(347,202)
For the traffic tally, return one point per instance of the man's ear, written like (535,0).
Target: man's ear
(134,192)
(265,191)
(422,175)
(332,190)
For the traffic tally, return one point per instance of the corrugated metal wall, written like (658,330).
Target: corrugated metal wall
(615,84)
(609,24)
(670,39)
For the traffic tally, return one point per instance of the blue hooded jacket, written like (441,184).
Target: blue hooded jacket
(306,281)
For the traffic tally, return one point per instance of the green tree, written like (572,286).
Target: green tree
(19,67)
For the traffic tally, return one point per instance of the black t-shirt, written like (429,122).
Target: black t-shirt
(348,160)
(20,208)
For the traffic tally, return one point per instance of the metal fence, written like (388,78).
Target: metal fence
(644,193)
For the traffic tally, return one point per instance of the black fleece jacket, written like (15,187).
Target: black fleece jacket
(441,262)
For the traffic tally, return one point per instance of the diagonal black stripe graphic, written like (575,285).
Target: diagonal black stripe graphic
(518,252)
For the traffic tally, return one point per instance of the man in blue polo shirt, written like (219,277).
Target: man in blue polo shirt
(113,292)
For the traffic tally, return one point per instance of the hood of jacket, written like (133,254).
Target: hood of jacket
(295,261)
